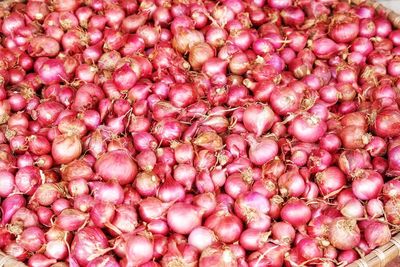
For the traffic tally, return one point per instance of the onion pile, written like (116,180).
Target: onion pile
(145,133)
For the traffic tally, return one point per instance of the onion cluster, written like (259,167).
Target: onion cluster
(145,133)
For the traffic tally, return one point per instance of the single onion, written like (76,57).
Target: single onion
(296,212)
(87,242)
(139,249)
(367,185)
(344,233)
(226,226)
(118,165)
(258,118)
(180,212)
(66,148)
(377,234)
(307,128)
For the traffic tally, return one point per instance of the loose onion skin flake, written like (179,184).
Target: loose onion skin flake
(152,133)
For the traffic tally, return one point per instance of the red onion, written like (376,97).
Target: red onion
(307,128)
(285,100)
(377,234)
(44,215)
(152,208)
(257,151)
(344,233)
(56,249)
(352,160)
(330,181)
(391,211)
(254,201)
(279,4)
(319,226)
(394,68)
(324,48)
(16,251)
(46,194)
(271,254)
(27,179)
(291,184)
(283,232)
(158,133)
(125,218)
(367,185)
(258,118)
(199,54)
(201,238)
(185,175)
(183,212)
(226,226)
(292,16)
(216,254)
(88,242)
(252,239)
(126,171)
(385,125)
(41,260)
(71,220)
(42,46)
(66,148)
(14,21)
(344,29)
(383,27)
(319,160)
(374,208)
(139,249)
(353,209)
(296,212)
(309,248)
(7,183)
(32,239)
(236,184)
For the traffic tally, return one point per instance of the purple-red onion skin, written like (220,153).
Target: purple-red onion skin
(263,151)
(227,227)
(258,119)
(139,249)
(368,186)
(180,212)
(307,128)
(296,212)
(118,165)
(88,241)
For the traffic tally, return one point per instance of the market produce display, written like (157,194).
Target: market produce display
(145,133)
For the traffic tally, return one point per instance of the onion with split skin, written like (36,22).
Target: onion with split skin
(89,243)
